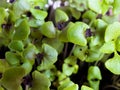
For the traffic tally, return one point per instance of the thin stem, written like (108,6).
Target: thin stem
(96,63)
(112,86)
(27,87)
(72,50)
(91,22)
(65,52)
(105,57)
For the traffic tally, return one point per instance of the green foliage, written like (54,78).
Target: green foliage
(48,29)
(22,31)
(85,88)
(20,7)
(2,16)
(116,7)
(70,66)
(80,52)
(49,57)
(29,52)
(112,32)
(113,64)
(40,3)
(4,4)
(12,58)
(35,23)
(16,45)
(95,5)
(67,85)
(75,13)
(60,16)
(117,44)
(80,5)
(12,78)
(38,14)
(58,42)
(55,43)
(63,35)
(27,67)
(76,34)
(108,47)
(3,65)
(40,81)
(89,15)
(1,88)
(94,77)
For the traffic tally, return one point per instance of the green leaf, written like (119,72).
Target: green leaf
(79,5)
(105,6)
(22,31)
(34,33)
(108,47)
(55,43)
(80,52)
(16,45)
(71,60)
(60,16)
(72,87)
(48,29)
(3,65)
(67,70)
(4,4)
(98,39)
(113,64)
(12,78)
(117,44)
(63,35)
(89,15)
(76,34)
(112,32)
(27,67)
(20,7)
(35,22)
(67,84)
(95,5)
(12,17)
(12,58)
(94,72)
(109,1)
(1,88)
(116,7)
(2,17)
(29,52)
(61,76)
(84,87)
(49,57)
(94,77)
(94,54)
(110,19)
(38,14)
(51,73)
(75,13)
(40,81)
(40,3)
(101,26)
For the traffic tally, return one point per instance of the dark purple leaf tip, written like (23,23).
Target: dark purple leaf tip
(11,1)
(6,26)
(61,25)
(88,33)
(39,57)
(37,7)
